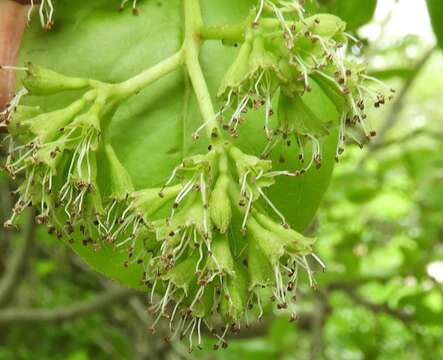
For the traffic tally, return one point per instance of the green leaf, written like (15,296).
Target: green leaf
(355,13)
(403,73)
(151,132)
(436,13)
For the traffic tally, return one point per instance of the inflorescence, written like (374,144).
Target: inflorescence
(211,244)
(286,53)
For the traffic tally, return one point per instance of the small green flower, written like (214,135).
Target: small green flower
(297,122)
(220,204)
(42,81)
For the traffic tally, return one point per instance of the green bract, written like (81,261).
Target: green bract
(211,227)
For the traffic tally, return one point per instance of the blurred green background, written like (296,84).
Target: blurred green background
(380,231)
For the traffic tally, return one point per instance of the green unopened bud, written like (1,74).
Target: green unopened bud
(235,295)
(221,259)
(325,25)
(41,81)
(220,205)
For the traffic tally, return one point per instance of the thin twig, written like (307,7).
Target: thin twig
(376,308)
(77,310)
(17,262)
(318,320)
(399,103)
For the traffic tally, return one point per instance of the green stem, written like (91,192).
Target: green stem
(235,33)
(230,33)
(191,48)
(148,76)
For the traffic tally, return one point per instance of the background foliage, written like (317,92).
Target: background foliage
(380,228)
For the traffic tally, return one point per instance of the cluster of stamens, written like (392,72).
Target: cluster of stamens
(135,10)
(45,11)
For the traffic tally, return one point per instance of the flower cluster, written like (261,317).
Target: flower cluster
(286,54)
(56,151)
(212,244)
(210,249)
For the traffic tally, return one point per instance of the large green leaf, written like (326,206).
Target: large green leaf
(436,13)
(151,132)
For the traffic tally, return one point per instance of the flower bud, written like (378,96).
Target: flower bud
(221,259)
(41,81)
(220,205)
(325,25)
(235,295)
